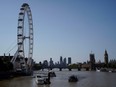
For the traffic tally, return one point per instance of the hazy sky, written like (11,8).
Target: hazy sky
(68,28)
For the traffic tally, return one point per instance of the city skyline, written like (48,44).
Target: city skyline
(92,58)
(63,28)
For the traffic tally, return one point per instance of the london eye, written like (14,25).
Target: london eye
(22,37)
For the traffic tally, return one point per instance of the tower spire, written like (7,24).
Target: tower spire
(106,57)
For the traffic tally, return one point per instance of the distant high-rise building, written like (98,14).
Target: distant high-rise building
(106,57)
(51,63)
(92,61)
(69,60)
(45,63)
(61,60)
(64,62)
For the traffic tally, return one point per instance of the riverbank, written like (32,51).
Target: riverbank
(10,74)
(5,75)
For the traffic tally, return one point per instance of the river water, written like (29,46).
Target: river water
(86,79)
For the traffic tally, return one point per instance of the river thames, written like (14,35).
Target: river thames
(86,79)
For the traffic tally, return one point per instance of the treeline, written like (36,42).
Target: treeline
(5,65)
(37,66)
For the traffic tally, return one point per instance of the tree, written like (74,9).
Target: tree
(37,66)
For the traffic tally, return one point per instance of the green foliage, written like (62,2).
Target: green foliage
(73,66)
(37,66)
(112,65)
(5,65)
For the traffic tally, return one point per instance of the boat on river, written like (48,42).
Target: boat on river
(52,74)
(73,78)
(42,79)
(39,80)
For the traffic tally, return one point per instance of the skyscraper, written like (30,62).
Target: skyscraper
(61,60)
(106,57)
(69,60)
(45,63)
(51,63)
(64,62)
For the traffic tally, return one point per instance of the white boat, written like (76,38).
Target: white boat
(98,70)
(39,80)
(42,79)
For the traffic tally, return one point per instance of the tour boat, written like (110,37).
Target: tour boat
(42,79)
(39,80)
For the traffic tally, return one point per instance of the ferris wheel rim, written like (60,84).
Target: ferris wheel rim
(20,31)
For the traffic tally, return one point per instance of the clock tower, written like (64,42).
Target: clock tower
(106,57)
